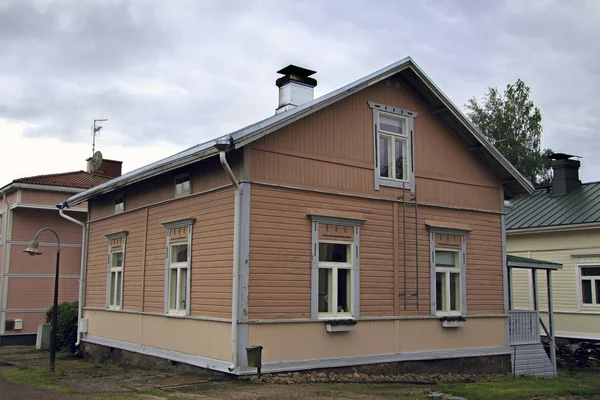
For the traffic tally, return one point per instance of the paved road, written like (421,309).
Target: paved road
(12,391)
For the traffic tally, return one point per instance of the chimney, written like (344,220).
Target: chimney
(295,87)
(108,168)
(566,174)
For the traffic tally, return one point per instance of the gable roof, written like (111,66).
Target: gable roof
(74,179)
(408,71)
(542,210)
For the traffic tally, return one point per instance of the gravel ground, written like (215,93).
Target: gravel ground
(19,392)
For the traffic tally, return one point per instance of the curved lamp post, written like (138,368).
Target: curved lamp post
(33,250)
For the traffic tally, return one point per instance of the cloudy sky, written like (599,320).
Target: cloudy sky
(170,74)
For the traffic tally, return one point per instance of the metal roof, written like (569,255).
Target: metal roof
(580,206)
(531,263)
(259,129)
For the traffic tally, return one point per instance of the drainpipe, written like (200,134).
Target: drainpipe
(222,147)
(4,253)
(84,238)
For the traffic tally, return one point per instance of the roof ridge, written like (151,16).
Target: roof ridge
(49,175)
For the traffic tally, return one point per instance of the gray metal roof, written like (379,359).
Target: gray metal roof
(256,131)
(530,263)
(581,206)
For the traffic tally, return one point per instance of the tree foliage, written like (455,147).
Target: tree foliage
(66,334)
(514,125)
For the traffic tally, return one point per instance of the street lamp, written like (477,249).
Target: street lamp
(33,250)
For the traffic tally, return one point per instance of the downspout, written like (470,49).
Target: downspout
(84,238)
(4,253)
(236,266)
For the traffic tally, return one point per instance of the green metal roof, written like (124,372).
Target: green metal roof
(581,206)
(524,262)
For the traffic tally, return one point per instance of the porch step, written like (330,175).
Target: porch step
(531,359)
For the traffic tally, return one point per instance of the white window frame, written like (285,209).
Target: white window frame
(587,306)
(447,271)
(1,226)
(178,267)
(335,267)
(433,230)
(181,223)
(118,207)
(117,301)
(110,269)
(408,118)
(316,219)
(181,177)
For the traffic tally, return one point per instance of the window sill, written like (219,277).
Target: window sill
(396,184)
(114,308)
(176,313)
(590,307)
(340,324)
(453,321)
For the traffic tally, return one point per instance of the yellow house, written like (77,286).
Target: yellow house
(560,224)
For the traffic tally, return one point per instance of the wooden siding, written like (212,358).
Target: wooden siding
(31,320)
(205,175)
(280,256)
(45,197)
(333,150)
(38,292)
(281,341)
(27,222)
(145,250)
(23,263)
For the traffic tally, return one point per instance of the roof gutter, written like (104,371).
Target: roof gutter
(554,228)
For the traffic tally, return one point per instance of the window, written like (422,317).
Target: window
(178,278)
(119,205)
(115,280)
(335,279)
(590,286)
(393,143)
(182,185)
(447,282)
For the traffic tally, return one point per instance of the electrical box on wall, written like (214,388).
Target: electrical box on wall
(9,325)
(18,324)
(83,325)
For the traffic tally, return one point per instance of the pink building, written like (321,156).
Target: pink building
(27,283)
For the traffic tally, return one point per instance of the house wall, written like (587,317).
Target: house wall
(568,248)
(46,197)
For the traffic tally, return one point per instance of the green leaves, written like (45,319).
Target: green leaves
(514,125)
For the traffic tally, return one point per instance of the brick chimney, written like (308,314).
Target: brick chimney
(295,87)
(108,168)
(566,174)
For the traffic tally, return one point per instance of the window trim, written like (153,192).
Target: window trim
(409,116)
(114,249)
(336,266)
(178,266)
(1,226)
(463,268)
(447,270)
(317,219)
(581,305)
(112,269)
(180,223)
(181,176)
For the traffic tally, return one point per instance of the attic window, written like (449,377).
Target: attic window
(182,185)
(393,146)
(119,205)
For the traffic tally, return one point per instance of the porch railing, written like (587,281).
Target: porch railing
(524,327)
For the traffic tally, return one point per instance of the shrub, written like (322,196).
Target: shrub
(66,334)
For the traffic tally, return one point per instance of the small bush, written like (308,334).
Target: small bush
(66,334)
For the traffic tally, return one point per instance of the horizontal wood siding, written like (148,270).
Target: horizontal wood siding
(145,252)
(280,241)
(23,263)
(39,292)
(27,222)
(44,197)
(333,150)
(31,320)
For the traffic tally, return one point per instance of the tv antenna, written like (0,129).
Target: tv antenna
(95,132)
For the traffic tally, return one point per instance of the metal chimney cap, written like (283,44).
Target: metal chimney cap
(561,156)
(296,70)
(294,73)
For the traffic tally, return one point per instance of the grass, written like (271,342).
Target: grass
(580,383)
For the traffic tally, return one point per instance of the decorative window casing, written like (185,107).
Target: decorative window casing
(589,286)
(183,185)
(393,134)
(178,266)
(1,226)
(448,254)
(335,272)
(116,264)
(119,204)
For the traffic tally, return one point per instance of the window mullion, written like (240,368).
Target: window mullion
(593,284)
(334,289)
(448,294)
(177,291)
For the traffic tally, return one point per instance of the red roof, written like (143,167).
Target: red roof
(75,179)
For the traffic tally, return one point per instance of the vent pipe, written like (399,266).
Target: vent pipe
(295,87)
(565,174)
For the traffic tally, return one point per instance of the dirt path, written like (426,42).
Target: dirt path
(14,391)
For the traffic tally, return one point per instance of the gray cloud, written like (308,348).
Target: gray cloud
(186,71)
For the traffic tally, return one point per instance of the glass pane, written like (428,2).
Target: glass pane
(391,124)
(385,156)
(186,185)
(440,291)
(597,284)
(182,288)
(325,290)
(111,289)
(117,259)
(401,159)
(344,290)
(455,292)
(173,289)
(179,253)
(586,291)
(595,271)
(333,252)
(445,258)
(118,277)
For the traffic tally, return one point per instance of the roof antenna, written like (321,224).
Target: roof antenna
(95,133)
